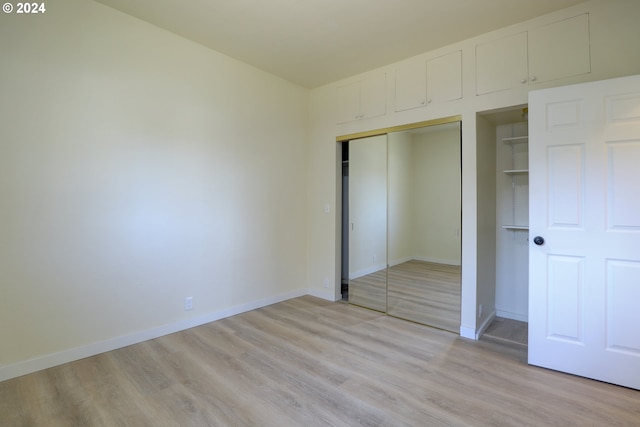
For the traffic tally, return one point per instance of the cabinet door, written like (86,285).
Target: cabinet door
(560,50)
(348,102)
(373,96)
(411,85)
(501,64)
(444,78)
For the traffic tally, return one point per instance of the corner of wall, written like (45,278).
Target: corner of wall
(485,324)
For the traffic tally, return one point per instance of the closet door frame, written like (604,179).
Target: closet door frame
(385,131)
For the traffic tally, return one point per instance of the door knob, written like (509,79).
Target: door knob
(538,240)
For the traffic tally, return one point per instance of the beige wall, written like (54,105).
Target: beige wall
(367,206)
(424,195)
(136,169)
(486,220)
(437,207)
(401,194)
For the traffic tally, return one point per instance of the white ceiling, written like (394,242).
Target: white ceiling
(314,42)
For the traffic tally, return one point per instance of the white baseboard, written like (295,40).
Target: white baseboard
(475,334)
(368,270)
(394,262)
(485,324)
(513,316)
(50,360)
(445,261)
(324,294)
(466,332)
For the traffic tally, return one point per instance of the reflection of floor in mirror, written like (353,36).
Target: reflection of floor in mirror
(425,292)
(507,330)
(369,291)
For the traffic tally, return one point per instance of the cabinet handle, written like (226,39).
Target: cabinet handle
(422,102)
(428,101)
(533,78)
(523,81)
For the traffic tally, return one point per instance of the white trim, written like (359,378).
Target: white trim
(399,261)
(324,294)
(485,325)
(466,332)
(445,261)
(513,316)
(369,270)
(474,334)
(53,359)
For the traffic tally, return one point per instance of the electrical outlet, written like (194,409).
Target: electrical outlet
(325,283)
(188,303)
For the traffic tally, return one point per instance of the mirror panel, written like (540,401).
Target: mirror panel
(404,224)
(368,222)
(424,220)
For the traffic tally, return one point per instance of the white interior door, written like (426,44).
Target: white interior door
(584,280)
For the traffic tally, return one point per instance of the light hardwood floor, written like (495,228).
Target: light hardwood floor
(370,290)
(508,330)
(309,362)
(425,292)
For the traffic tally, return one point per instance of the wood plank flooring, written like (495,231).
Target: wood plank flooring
(309,362)
(419,291)
(508,330)
(370,290)
(425,292)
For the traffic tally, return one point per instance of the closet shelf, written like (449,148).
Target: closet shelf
(515,227)
(515,139)
(516,171)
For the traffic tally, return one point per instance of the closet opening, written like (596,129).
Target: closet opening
(344,269)
(502,144)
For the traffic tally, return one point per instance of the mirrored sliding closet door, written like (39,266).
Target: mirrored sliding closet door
(404,224)
(424,217)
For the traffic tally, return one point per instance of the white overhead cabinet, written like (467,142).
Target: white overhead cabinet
(419,83)
(502,64)
(555,51)
(362,99)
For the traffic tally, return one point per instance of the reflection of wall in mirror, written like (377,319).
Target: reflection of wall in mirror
(400,226)
(424,197)
(367,206)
